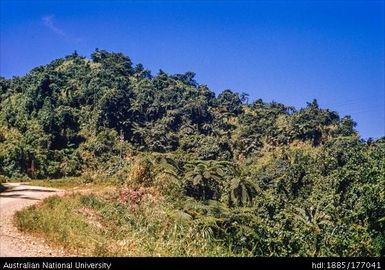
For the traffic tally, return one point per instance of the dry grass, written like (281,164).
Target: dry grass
(118,223)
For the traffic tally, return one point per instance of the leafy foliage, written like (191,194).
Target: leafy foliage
(262,178)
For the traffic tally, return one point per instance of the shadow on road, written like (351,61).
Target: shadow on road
(31,189)
(13,192)
(20,196)
(2,188)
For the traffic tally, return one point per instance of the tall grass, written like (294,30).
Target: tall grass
(112,225)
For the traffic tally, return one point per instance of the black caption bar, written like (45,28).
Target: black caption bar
(97,263)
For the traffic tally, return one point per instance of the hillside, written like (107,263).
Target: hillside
(249,177)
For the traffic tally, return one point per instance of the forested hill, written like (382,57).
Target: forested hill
(255,178)
(59,116)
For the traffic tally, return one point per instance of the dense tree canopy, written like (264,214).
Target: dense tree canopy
(268,179)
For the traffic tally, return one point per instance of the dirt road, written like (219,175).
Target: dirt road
(12,242)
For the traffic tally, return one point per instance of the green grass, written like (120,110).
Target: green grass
(63,183)
(57,221)
(71,183)
(103,225)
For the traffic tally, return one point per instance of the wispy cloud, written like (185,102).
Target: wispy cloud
(50,24)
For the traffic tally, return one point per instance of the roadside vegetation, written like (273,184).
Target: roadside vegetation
(73,183)
(171,169)
(104,225)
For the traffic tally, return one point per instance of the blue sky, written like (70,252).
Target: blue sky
(287,51)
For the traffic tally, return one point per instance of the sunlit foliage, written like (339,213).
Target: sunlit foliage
(263,178)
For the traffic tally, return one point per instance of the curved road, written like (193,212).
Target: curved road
(12,242)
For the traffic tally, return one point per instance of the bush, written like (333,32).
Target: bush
(141,172)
